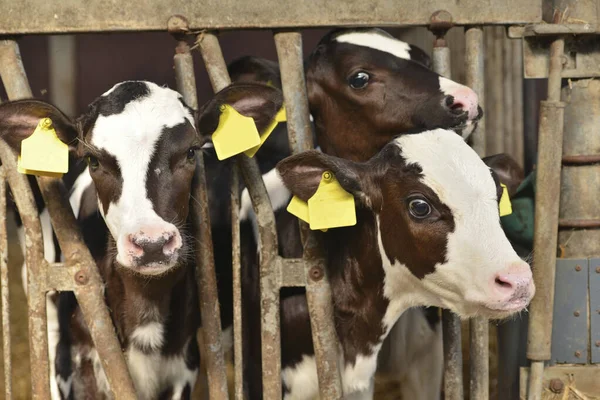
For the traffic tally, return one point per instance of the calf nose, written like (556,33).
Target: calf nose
(460,98)
(515,283)
(153,249)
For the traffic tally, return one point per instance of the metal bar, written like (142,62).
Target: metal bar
(267,234)
(318,291)
(4,282)
(581,159)
(293,272)
(236,261)
(479,327)
(578,223)
(507,93)
(453,378)
(517,102)
(62,67)
(205,273)
(101,15)
(495,106)
(547,202)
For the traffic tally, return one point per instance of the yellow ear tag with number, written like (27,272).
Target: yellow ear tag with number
(298,208)
(43,153)
(331,206)
(279,117)
(505,205)
(235,134)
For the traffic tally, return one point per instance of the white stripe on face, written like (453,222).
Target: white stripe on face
(377,41)
(131,137)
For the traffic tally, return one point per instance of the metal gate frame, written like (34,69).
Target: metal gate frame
(78,273)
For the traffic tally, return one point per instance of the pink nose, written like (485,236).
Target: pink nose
(514,284)
(155,248)
(460,98)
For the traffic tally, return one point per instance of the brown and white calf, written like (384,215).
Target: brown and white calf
(428,234)
(140,142)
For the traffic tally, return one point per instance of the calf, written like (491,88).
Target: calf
(420,202)
(140,142)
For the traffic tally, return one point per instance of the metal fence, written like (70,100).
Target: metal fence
(544,55)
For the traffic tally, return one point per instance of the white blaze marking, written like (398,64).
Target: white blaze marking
(150,335)
(82,182)
(377,41)
(131,137)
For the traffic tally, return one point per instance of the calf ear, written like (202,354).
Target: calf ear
(302,173)
(18,120)
(261,102)
(507,169)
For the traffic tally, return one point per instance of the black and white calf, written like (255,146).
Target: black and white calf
(140,142)
(421,202)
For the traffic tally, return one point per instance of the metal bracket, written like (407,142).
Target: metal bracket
(594,276)
(570,334)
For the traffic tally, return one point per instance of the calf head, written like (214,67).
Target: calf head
(372,86)
(140,141)
(438,226)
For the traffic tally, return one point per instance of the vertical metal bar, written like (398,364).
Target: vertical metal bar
(236,262)
(318,291)
(62,67)
(4,282)
(453,378)
(507,93)
(267,235)
(547,203)
(517,102)
(479,327)
(206,275)
(494,105)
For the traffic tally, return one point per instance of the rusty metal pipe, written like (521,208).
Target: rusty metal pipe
(208,293)
(479,327)
(236,261)
(318,291)
(267,238)
(4,282)
(547,202)
(517,102)
(453,378)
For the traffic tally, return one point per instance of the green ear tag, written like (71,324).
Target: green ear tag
(235,134)
(331,206)
(505,205)
(279,117)
(43,153)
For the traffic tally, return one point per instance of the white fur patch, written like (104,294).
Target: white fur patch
(149,336)
(131,137)
(377,41)
(301,380)
(278,194)
(82,182)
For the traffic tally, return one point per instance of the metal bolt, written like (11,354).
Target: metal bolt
(578,268)
(177,24)
(577,313)
(578,354)
(597,343)
(556,385)
(316,273)
(81,277)
(441,17)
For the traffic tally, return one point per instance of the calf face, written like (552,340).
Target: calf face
(377,85)
(140,141)
(438,225)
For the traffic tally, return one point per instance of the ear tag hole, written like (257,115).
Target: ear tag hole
(505,204)
(235,134)
(43,153)
(279,117)
(331,206)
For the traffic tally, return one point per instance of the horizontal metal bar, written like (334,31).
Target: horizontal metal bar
(581,159)
(292,272)
(62,277)
(517,32)
(578,223)
(63,16)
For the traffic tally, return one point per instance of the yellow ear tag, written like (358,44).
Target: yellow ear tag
(298,208)
(331,206)
(505,205)
(235,134)
(279,117)
(270,83)
(43,153)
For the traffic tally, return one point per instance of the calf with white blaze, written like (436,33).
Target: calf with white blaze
(428,234)
(140,142)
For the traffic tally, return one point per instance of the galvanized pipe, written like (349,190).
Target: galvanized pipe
(547,203)
(205,272)
(479,327)
(236,263)
(4,282)
(267,238)
(517,102)
(453,378)
(507,94)
(62,67)
(318,291)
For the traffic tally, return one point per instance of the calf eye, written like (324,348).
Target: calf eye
(93,162)
(359,80)
(419,208)
(191,154)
